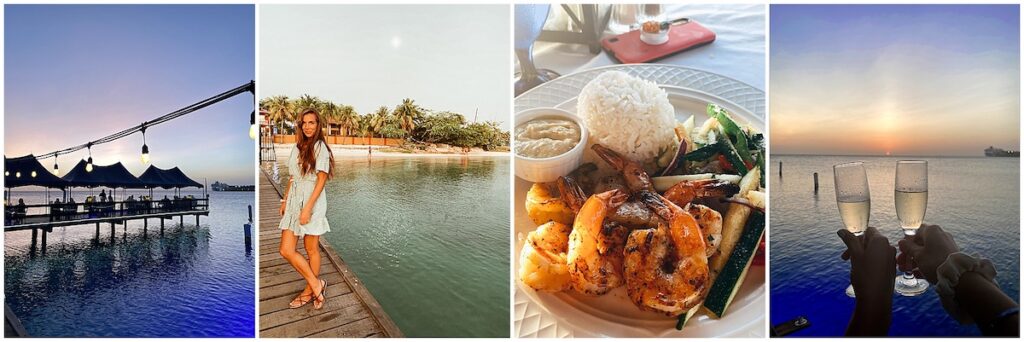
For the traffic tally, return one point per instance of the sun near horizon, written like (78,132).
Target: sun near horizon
(894,80)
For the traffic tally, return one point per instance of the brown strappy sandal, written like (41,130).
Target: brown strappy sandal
(318,301)
(298,302)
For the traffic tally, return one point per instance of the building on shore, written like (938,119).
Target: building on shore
(218,186)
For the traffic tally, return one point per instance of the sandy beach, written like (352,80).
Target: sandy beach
(347,151)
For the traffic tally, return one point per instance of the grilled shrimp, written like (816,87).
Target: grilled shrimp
(542,261)
(633,173)
(710,222)
(631,214)
(666,268)
(591,259)
(686,191)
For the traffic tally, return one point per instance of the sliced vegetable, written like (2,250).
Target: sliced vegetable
(685,317)
(676,160)
(741,149)
(756,142)
(665,182)
(729,280)
(749,182)
(760,165)
(756,198)
(734,220)
(737,136)
(729,151)
(719,113)
(703,153)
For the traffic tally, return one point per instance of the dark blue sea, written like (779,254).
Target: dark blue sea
(191,281)
(975,199)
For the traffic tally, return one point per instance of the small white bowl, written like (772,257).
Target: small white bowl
(539,170)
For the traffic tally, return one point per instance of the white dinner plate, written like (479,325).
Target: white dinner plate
(539,314)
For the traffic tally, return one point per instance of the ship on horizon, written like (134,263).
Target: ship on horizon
(998,152)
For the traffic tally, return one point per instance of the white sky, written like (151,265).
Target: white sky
(446,57)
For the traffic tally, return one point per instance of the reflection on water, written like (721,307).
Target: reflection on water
(975,199)
(429,236)
(188,281)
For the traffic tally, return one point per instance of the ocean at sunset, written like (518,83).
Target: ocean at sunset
(975,199)
(189,281)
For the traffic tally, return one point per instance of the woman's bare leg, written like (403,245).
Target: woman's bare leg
(312,244)
(287,250)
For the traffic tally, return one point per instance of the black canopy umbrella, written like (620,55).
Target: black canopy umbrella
(26,171)
(155,177)
(109,176)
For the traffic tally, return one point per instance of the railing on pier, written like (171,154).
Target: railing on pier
(18,217)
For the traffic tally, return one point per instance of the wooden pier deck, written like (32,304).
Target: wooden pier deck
(350,310)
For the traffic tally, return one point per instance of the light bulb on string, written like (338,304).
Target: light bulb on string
(145,148)
(7,173)
(252,125)
(17,174)
(33,173)
(88,164)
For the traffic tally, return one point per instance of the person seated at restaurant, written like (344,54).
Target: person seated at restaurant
(55,209)
(165,203)
(103,195)
(19,211)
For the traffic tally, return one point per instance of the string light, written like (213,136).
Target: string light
(17,174)
(252,125)
(88,164)
(253,129)
(145,148)
(252,117)
(33,173)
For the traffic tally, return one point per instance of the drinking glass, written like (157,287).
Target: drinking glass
(529,24)
(623,18)
(911,202)
(853,198)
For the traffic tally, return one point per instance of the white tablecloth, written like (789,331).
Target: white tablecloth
(738,51)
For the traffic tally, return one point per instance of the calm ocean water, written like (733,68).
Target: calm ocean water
(975,199)
(190,282)
(429,237)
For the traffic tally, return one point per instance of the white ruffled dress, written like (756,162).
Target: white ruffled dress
(301,189)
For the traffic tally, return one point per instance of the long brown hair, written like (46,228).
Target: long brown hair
(307,146)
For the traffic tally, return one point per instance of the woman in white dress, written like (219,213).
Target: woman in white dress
(304,207)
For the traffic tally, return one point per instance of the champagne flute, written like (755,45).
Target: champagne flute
(854,199)
(911,202)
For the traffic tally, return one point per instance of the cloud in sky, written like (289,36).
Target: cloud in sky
(910,80)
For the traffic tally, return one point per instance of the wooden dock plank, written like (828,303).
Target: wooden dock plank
(350,310)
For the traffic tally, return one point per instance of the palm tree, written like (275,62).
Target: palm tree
(364,127)
(329,113)
(408,113)
(306,102)
(348,118)
(280,109)
(378,119)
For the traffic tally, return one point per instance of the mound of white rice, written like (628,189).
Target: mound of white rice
(628,114)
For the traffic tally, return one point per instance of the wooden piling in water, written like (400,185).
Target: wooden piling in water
(35,233)
(780,169)
(815,182)
(43,246)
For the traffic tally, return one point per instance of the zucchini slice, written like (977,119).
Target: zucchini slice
(731,278)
